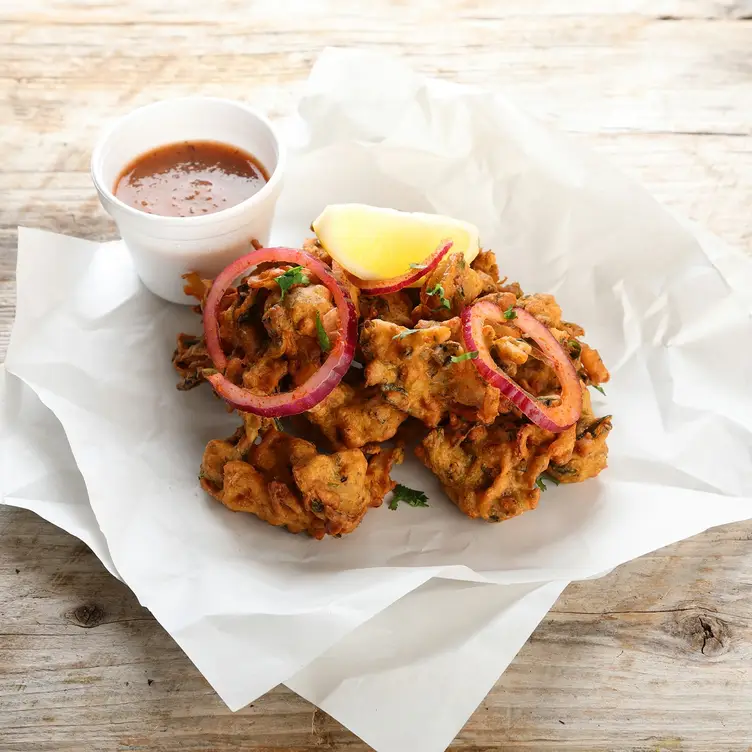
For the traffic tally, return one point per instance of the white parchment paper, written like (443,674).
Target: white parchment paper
(417,604)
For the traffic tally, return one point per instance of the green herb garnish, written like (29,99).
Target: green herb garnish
(409,496)
(439,290)
(472,355)
(278,424)
(294,276)
(599,388)
(324,342)
(548,478)
(404,334)
(575,348)
(510,313)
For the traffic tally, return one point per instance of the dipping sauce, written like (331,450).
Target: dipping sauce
(190,178)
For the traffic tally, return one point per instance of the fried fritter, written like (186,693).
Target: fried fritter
(485,264)
(416,373)
(590,453)
(344,281)
(491,471)
(284,481)
(394,306)
(189,360)
(292,320)
(592,365)
(452,286)
(312,246)
(353,416)
(486,453)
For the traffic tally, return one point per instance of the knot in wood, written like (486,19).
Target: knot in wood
(707,634)
(87,616)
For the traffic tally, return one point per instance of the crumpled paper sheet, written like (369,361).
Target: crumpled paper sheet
(419,606)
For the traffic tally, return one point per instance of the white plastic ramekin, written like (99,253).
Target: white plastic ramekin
(164,248)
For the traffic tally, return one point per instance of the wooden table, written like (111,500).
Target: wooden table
(655,656)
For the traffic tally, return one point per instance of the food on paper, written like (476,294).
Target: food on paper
(494,382)
(415,370)
(304,313)
(498,471)
(373,243)
(190,178)
(285,481)
(555,417)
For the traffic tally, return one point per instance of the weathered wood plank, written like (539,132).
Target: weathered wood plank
(655,653)
(653,657)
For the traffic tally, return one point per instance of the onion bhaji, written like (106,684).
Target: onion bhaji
(353,416)
(418,371)
(285,481)
(411,362)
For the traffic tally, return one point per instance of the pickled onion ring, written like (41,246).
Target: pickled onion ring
(322,382)
(551,418)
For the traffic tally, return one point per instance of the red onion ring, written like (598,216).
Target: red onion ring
(323,381)
(551,418)
(384,286)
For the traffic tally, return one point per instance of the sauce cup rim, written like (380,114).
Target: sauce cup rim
(205,219)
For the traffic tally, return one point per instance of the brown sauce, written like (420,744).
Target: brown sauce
(190,178)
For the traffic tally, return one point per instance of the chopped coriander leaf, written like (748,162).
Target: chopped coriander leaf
(510,314)
(439,290)
(409,496)
(547,478)
(324,342)
(472,355)
(575,348)
(294,276)
(404,334)
(418,266)
(599,388)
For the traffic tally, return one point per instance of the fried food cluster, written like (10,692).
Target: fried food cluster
(285,481)
(408,377)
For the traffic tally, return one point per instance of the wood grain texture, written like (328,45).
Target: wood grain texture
(655,656)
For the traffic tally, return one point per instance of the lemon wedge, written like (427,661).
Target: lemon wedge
(375,243)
